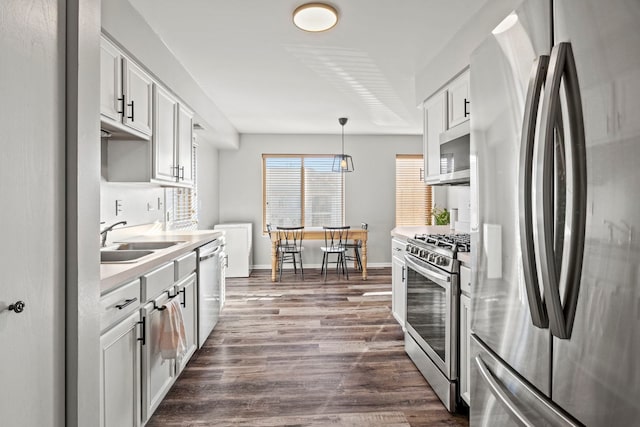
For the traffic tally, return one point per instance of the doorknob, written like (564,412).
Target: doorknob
(17,307)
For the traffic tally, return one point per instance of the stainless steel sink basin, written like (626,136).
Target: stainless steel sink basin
(122,256)
(143,246)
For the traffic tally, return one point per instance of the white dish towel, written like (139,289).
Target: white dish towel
(173,339)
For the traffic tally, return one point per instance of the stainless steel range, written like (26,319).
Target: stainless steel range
(433,301)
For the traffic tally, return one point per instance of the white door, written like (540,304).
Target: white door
(185,145)
(398,290)
(435,122)
(164,135)
(120,374)
(189,303)
(110,81)
(459,100)
(32,262)
(138,90)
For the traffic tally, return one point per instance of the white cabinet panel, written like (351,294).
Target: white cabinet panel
(164,135)
(120,374)
(138,93)
(110,81)
(184,145)
(435,122)
(459,100)
(398,282)
(189,304)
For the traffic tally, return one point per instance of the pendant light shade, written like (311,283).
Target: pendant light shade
(342,162)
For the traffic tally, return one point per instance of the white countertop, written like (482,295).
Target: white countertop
(113,275)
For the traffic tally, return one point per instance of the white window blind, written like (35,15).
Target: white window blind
(301,190)
(185,200)
(413,196)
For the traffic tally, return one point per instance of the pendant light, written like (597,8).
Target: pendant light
(342,162)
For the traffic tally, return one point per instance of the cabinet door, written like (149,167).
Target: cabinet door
(188,301)
(435,121)
(120,374)
(398,290)
(185,145)
(110,81)
(138,90)
(165,108)
(158,374)
(465,344)
(459,100)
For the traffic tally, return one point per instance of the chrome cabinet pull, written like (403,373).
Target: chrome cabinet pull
(17,307)
(536,79)
(126,303)
(563,70)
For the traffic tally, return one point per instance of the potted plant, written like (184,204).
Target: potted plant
(441,216)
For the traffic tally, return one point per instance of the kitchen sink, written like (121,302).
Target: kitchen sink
(143,246)
(122,256)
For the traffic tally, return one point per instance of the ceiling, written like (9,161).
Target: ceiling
(267,76)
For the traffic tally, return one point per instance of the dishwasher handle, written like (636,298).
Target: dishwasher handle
(210,253)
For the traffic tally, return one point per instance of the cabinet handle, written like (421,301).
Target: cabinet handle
(403,273)
(143,322)
(184,297)
(131,104)
(466,112)
(121,99)
(182,173)
(126,303)
(17,307)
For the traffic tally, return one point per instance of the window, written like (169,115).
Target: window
(301,190)
(413,196)
(185,201)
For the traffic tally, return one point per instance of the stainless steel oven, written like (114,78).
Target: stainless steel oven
(433,303)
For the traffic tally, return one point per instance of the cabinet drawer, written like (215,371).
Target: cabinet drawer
(154,283)
(185,265)
(398,248)
(119,303)
(465,279)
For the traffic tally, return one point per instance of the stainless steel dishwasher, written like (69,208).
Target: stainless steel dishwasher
(209,287)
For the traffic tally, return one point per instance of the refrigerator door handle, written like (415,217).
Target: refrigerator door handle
(536,302)
(501,394)
(557,275)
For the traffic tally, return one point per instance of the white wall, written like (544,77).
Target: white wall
(370,190)
(208,186)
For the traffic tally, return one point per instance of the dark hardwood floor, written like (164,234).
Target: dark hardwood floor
(304,353)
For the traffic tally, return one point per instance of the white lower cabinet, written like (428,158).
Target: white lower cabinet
(158,374)
(398,281)
(189,302)
(465,344)
(120,374)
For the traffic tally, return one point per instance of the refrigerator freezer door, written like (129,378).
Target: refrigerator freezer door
(501,398)
(596,375)
(500,73)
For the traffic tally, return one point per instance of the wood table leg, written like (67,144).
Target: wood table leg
(274,259)
(364,260)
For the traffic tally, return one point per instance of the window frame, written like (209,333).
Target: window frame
(302,157)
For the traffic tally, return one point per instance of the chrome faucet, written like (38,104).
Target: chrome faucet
(104,232)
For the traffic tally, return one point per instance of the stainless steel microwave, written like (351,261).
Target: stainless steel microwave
(454,155)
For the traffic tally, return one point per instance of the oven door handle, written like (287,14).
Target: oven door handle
(427,270)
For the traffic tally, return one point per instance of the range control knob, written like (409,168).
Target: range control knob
(442,260)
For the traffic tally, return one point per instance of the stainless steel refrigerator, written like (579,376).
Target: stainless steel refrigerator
(555,193)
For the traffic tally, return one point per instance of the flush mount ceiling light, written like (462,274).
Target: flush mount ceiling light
(315,17)
(342,162)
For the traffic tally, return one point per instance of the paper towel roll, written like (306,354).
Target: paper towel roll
(453,217)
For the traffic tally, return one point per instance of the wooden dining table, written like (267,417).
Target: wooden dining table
(317,233)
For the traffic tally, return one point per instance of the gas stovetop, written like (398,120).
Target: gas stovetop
(439,250)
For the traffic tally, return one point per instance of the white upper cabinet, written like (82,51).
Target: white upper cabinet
(185,146)
(435,122)
(110,81)
(126,93)
(459,100)
(164,135)
(138,95)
